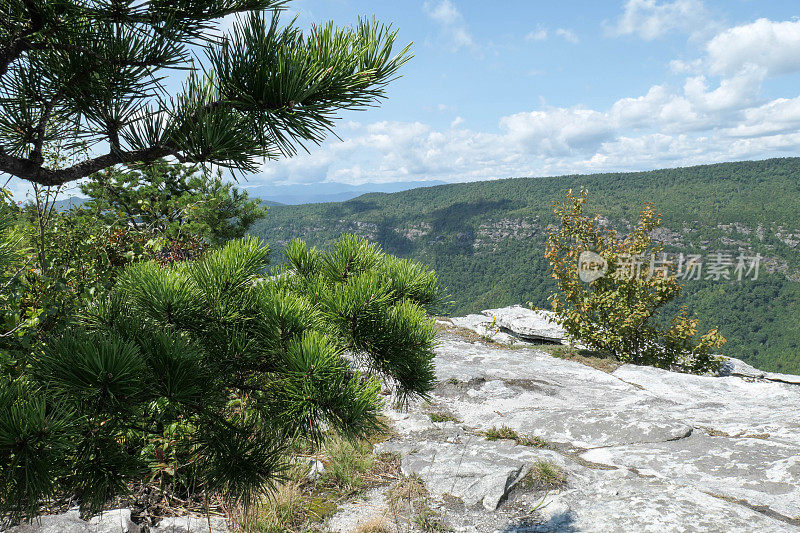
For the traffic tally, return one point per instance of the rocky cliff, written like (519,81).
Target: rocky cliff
(640,449)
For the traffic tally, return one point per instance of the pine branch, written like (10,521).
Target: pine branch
(264,92)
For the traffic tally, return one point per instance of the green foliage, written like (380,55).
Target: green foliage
(165,212)
(544,475)
(443,417)
(34,437)
(377,304)
(614,312)
(82,257)
(201,373)
(17,322)
(171,201)
(12,264)
(486,240)
(90,73)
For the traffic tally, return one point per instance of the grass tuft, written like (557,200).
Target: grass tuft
(409,503)
(597,360)
(376,525)
(544,475)
(506,433)
(443,417)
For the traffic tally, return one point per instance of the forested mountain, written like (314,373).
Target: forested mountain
(486,240)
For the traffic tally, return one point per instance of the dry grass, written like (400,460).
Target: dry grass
(597,360)
(378,524)
(505,432)
(301,504)
(409,506)
(464,333)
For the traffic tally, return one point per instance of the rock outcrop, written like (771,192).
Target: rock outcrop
(642,449)
(513,325)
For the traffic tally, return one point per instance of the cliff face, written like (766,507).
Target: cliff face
(641,449)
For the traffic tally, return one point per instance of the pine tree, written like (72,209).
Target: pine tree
(208,370)
(89,75)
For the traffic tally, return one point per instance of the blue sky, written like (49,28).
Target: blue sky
(535,88)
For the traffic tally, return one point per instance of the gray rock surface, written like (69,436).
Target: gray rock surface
(113,521)
(484,327)
(643,449)
(118,521)
(315,469)
(527,324)
(191,524)
(513,325)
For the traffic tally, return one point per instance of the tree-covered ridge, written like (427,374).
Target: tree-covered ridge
(486,239)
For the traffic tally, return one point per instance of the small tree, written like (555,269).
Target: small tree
(173,200)
(204,371)
(615,312)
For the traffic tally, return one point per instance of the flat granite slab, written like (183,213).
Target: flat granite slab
(642,449)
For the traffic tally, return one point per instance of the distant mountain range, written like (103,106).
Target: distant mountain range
(70,202)
(315,193)
(302,194)
(486,240)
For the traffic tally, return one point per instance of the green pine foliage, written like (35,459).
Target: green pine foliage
(201,373)
(87,75)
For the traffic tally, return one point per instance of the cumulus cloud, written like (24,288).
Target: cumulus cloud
(650,19)
(773,46)
(451,23)
(717,114)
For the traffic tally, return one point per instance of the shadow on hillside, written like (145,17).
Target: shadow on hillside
(358,206)
(337,210)
(559,523)
(453,216)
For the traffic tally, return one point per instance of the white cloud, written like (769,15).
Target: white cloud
(567,35)
(773,46)
(451,23)
(557,131)
(709,118)
(776,117)
(718,113)
(735,92)
(539,34)
(678,66)
(650,19)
